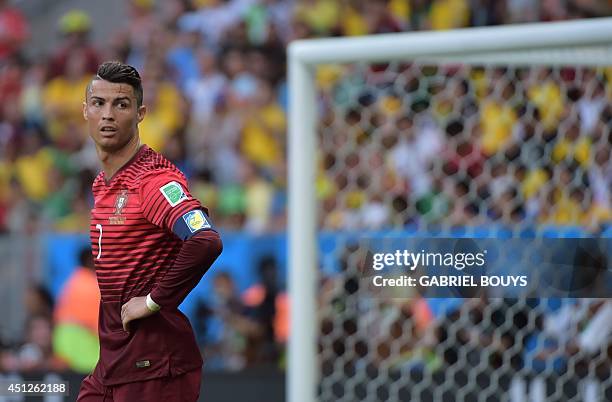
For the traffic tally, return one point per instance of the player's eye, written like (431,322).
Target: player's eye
(122,105)
(96,102)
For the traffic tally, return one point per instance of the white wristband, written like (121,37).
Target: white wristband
(151,305)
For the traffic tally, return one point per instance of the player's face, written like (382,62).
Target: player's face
(112,114)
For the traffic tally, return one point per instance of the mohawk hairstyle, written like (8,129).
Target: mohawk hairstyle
(120,73)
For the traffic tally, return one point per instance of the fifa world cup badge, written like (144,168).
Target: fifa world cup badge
(120,203)
(196,220)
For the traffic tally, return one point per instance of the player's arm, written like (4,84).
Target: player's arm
(197,254)
(170,206)
(200,249)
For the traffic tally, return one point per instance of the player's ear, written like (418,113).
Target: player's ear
(85,110)
(142,110)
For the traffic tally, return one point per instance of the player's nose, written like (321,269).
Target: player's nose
(107,112)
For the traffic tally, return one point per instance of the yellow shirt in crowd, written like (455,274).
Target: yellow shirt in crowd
(449,14)
(163,117)
(31,172)
(579,150)
(63,100)
(321,16)
(260,142)
(497,121)
(547,97)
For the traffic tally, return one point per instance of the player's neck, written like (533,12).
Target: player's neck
(113,161)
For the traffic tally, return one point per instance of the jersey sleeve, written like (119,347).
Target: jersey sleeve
(165,197)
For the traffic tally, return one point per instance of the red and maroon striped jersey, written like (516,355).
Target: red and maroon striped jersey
(133,247)
(131,224)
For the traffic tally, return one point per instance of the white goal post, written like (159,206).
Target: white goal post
(515,44)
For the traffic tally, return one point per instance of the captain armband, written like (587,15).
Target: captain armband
(191,223)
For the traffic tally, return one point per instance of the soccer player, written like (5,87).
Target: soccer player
(152,242)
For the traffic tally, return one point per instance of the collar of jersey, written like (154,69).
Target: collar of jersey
(125,165)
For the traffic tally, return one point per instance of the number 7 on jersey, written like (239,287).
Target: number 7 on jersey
(99,227)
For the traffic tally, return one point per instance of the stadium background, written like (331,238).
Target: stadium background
(215,83)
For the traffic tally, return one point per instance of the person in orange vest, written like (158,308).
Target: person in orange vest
(75,337)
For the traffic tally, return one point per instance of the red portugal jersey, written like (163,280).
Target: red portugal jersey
(133,247)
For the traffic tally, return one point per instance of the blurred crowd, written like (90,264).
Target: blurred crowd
(463,145)
(215,86)
(460,146)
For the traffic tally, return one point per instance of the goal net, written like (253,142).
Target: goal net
(497,133)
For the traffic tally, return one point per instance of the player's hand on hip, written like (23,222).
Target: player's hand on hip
(134,309)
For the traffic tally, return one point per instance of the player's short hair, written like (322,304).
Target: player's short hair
(120,73)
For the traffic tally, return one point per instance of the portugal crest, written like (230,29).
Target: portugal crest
(120,203)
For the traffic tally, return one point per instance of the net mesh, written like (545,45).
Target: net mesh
(453,149)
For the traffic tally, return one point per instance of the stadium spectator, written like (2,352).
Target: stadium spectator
(449,14)
(215,19)
(230,344)
(205,87)
(320,16)
(600,177)
(36,354)
(522,11)
(419,144)
(383,16)
(14,30)
(62,97)
(171,11)
(267,19)
(185,62)
(74,28)
(434,205)
(270,304)
(32,166)
(263,133)
(31,95)
(141,33)
(498,115)
(11,76)
(38,302)
(165,106)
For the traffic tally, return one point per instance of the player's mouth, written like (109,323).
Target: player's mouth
(108,131)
